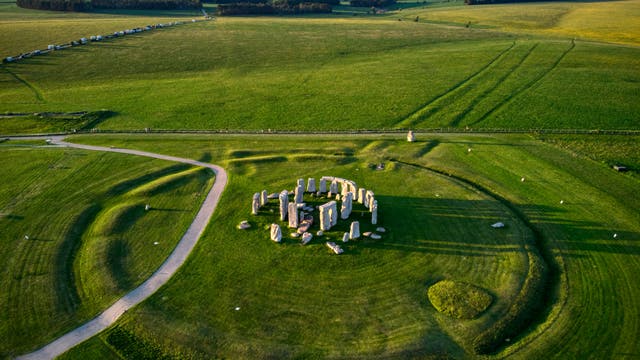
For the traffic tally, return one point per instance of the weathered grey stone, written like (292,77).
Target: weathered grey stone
(264,198)
(336,248)
(293,215)
(328,212)
(284,205)
(300,182)
(333,188)
(295,234)
(374,212)
(367,199)
(345,237)
(255,204)
(319,233)
(306,237)
(380,229)
(410,136)
(354,231)
(367,233)
(272,196)
(323,185)
(345,209)
(361,195)
(276,233)
(376,236)
(244,224)
(299,198)
(311,185)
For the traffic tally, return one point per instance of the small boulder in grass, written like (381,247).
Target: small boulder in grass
(244,224)
(295,234)
(381,229)
(366,233)
(376,236)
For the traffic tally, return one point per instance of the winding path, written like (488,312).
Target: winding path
(159,277)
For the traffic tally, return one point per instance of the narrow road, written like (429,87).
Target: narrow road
(159,278)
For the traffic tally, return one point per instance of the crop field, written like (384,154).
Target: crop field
(76,235)
(334,72)
(559,280)
(437,202)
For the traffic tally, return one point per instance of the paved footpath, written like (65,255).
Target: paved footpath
(159,278)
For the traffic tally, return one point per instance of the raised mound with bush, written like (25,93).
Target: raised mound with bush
(459,300)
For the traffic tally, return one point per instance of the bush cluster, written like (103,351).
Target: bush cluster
(370,3)
(56,5)
(147,4)
(83,5)
(282,7)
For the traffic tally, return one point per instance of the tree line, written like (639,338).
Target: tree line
(280,7)
(84,5)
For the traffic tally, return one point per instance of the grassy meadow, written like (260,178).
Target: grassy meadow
(332,72)
(372,301)
(76,235)
(559,281)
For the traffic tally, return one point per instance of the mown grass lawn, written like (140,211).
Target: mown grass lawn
(68,248)
(302,301)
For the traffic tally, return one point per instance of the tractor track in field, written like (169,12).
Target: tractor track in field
(24,82)
(160,277)
(458,118)
(415,116)
(553,276)
(525,87)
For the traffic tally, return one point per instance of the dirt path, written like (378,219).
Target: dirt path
(159,278)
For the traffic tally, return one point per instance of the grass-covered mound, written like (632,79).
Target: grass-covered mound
(459,300)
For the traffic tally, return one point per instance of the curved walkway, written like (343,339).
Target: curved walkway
(159,277)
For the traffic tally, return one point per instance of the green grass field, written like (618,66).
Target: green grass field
(333,72)
(438,229)
(559,281)
(89,238)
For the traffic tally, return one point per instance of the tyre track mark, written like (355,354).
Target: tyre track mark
(528,86)
(24,82)
(426,109)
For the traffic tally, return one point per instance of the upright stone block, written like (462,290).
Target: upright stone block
(374,213)
(293,215)
(276,233)
(345,209)
(354,231)
(333,188)
(323,185)
(311,185)
(328,215)
(361,195)
(299,198)
(264,198)
(284,204)
(255,204)
(410,136)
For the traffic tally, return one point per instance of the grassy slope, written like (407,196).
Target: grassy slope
(334,73)
(53,196)
(594,298)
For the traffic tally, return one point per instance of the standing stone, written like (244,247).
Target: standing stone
(345,237)
(328,215)
(410,136)
(311,185)
(333,188)
(374,212)
(372,200)
(354,232)
(367,199)
(255,204)
(300,182)
(299,198)
(276,233)
(346,207)
(293,215)
(361,195)
(323,185)
(345,189)
(284,204)
(264,198)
